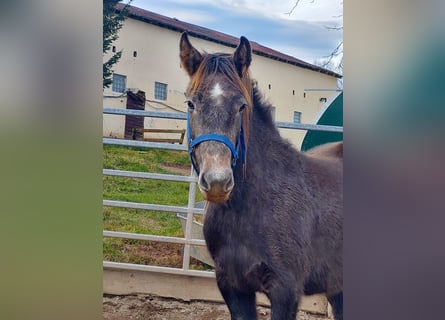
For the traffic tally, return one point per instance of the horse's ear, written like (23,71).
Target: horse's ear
(242,56)
(190,57)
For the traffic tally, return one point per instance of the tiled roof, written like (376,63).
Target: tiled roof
(218,37)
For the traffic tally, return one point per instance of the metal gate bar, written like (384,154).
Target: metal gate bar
(141,267)
(152,207)
(149,175)
(150,237)
(182,116)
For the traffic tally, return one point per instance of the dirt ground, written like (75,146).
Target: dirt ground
(147,307)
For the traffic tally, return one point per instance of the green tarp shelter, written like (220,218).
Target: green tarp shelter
(332,116)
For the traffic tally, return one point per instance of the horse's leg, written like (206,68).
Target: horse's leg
(283,302)
(336,302)
(242,305)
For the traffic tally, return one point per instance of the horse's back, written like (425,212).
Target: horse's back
(327,150)
(324,167)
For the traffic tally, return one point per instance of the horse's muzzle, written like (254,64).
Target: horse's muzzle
(216,184)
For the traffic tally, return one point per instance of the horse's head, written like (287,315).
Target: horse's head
(219,102)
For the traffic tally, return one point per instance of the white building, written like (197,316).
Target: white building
(150,62)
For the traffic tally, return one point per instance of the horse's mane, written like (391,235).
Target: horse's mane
(265,126)
(262,108)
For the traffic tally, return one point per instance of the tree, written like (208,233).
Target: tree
(113,20)
(329,61)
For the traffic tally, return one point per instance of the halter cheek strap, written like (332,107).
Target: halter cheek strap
(235,150)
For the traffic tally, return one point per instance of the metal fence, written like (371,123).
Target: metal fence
(190,210)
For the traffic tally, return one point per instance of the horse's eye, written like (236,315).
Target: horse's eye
(190,105)
(242,107)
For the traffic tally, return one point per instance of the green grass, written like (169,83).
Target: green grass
(143,191)
(138,221)
(137,159)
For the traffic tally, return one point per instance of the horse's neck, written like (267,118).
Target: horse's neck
(265,147)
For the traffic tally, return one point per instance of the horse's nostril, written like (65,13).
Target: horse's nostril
(229,184)
(216,180)
(203,185)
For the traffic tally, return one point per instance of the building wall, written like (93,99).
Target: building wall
(158,60)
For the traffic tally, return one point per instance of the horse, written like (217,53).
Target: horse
(273,221)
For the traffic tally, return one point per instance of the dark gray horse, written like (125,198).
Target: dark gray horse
(274,219)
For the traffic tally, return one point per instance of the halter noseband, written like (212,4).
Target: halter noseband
(237,151)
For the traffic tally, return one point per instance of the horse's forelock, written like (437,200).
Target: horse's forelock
(220,63)
(223,63)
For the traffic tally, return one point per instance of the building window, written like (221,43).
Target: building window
(160,91)
(119,83)
(297,117)
(272,113)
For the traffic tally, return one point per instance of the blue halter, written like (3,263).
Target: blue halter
(237,151)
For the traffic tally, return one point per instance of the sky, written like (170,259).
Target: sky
(302,34)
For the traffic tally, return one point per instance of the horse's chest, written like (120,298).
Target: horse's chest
(229,241)
(235,250)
